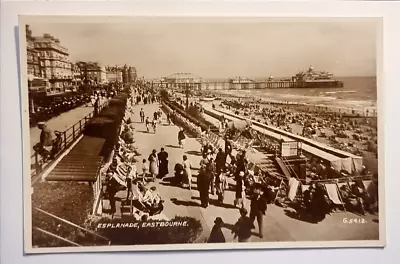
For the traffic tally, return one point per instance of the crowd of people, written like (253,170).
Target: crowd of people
(219,170)
(50,107)
(122,172)
(349,133)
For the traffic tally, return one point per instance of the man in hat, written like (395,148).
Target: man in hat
(141,115)
(258,207)
(216,235)
(46,140)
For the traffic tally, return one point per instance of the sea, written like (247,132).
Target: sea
(358,93)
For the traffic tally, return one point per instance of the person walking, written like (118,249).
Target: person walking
(239,190)
(187,166)
(162,163)
(243,227)
(211,172)
(203,183)
(148,122)
(169,118)
(159,115)
(96,106)
(221,183)
(217,236)
(155,116)
(181,138)
(228,148)
(220,161)
(154,125)
(258,207)
(141,115)
(153,164)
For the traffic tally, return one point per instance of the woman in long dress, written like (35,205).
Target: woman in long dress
(188,172)
(153,164)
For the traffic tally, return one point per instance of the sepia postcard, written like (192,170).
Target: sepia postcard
(193,133)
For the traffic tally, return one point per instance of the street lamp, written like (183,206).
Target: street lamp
(187,94)
(30,79)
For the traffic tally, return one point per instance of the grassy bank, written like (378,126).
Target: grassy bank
(71,201)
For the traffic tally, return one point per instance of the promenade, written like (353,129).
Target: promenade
(60,122)
(280,224)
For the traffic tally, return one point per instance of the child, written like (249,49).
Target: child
(243,227)
(145,169)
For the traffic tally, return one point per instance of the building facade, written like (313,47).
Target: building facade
(114,76)
(92,73)
(33,59)
(77,80)
(128,74)
(54,63)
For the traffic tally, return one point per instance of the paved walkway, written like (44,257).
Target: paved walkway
(61,122)
(279,224)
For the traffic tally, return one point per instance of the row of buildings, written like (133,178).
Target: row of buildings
(50,70)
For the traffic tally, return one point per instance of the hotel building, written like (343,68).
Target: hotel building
(54,63)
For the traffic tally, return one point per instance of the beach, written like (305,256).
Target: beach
(358,96)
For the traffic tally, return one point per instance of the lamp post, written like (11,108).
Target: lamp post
(187,94)
(30,79)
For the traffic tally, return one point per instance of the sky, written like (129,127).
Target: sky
(221,48)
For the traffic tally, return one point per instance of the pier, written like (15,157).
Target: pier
(205,85)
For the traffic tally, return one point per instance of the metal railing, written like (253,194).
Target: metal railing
(54,217)
(67,137)
(290,168)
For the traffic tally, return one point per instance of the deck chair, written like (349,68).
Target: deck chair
(334,195)
(367,184)
(293,187)
(122,170)
(341,184)
(119,179)
(304,187)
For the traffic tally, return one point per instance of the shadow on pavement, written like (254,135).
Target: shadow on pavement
(185,203)
(216,203)
(176,185)
(223,205)
(193,152)
(232,227)
(172,146)
(144,131)
(301,216)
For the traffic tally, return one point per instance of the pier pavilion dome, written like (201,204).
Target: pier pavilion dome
(183,77)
